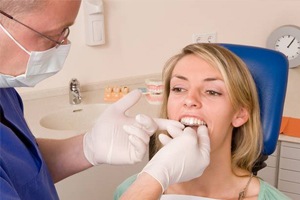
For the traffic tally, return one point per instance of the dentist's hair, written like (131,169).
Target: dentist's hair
(246,142)
(19,7)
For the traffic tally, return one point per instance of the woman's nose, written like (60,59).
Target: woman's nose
(192,100)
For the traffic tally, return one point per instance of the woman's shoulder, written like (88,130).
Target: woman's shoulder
(124,186)
(268,192)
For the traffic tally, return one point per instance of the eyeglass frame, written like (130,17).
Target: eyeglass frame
(39,33)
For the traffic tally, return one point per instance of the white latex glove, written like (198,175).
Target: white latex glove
(181,159)
(111,142)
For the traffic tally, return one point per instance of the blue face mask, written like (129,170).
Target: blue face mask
(41,65)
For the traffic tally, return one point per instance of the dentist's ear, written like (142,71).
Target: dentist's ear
(240,118)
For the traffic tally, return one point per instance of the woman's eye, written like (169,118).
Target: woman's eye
(213,93)
(177,89)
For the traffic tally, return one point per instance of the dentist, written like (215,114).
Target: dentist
(33,46)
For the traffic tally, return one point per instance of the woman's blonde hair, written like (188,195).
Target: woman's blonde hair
(246,139)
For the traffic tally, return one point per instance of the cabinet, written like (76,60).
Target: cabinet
(283,169)
(289,169)
(269,173)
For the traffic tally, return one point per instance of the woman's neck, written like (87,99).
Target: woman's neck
(218,181)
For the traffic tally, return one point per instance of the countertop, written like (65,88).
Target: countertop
(36,109)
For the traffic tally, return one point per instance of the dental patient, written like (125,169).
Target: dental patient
(209,87)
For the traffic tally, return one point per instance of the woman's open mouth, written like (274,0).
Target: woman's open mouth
(192,121)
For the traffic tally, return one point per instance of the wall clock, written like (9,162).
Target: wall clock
(286,39)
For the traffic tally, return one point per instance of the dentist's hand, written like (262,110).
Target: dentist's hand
(119,139)
(181,159)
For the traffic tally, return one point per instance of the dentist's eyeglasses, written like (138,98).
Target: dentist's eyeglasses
(62,38)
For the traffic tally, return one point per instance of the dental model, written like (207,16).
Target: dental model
(191,121)
(112,94)
(154,86)
(154,91)
(155,99)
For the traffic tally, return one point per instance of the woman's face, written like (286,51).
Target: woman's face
(198,94)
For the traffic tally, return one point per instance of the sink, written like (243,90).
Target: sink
(74,118)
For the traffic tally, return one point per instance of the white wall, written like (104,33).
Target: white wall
(142,34)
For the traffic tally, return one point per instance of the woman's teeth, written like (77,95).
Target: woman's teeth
(191,121)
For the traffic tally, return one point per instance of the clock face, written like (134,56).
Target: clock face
(286,39)
(289,46)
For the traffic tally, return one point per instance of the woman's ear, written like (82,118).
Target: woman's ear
(240,118)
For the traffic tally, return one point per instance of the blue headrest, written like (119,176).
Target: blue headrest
(269,69)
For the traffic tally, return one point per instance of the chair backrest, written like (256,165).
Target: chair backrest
(269,69)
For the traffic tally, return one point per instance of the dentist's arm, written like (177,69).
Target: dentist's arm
(181,159)
(63,157)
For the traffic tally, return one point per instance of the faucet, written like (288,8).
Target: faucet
(74,92)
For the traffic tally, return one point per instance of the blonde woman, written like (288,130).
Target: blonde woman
(207,84)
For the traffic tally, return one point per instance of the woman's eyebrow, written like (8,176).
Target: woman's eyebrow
(205,80)
(179,77)
(213,79)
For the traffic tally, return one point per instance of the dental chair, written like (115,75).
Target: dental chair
(269,69)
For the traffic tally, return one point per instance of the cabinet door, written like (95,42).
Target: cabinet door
(290,189)
(269,173)
(289,169)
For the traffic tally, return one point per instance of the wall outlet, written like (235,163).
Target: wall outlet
(205,38)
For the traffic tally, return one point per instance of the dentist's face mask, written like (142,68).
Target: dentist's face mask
(41,65)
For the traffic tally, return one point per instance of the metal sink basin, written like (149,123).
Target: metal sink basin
(74,118)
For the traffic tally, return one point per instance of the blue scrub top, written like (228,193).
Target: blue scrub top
(23,172)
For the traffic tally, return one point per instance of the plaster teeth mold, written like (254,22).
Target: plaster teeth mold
(191,121)
(114,93)
(154,86)
(154,91)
